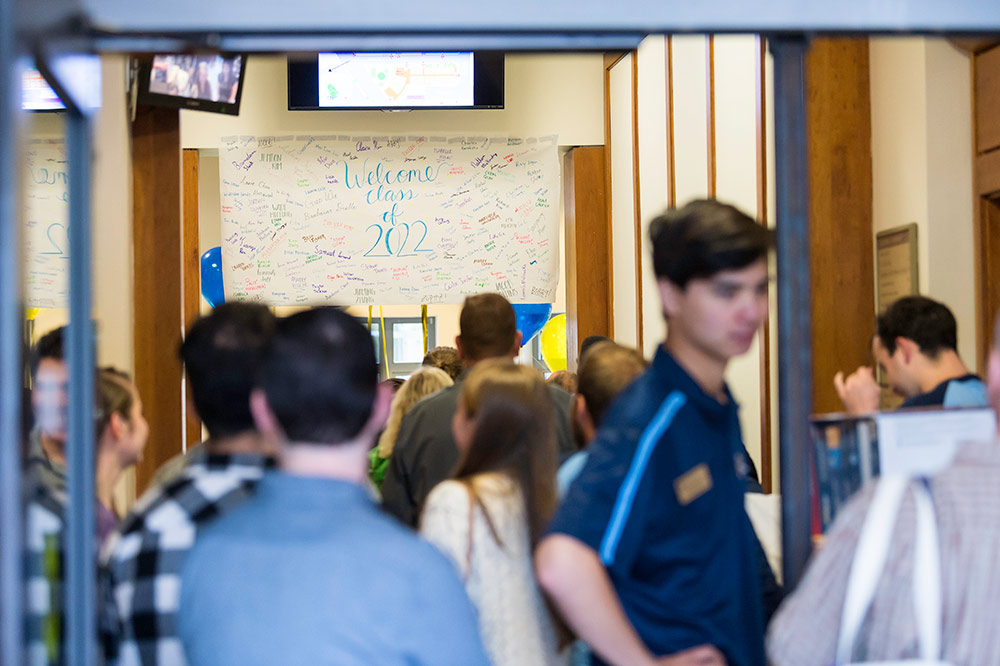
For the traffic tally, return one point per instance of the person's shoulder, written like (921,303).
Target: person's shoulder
(428,422)
(448,492)
(443,399)
(639,402)
(560,396)
(204,488)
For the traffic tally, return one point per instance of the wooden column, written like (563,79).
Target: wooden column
(192,279)
(588,265)
(986,176)
(840,179)
(157,282)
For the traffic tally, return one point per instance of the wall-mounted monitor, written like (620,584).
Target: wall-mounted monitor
(37,94)
(396,81)
(192,81)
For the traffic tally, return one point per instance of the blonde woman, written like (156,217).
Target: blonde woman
(422,383)
(488,518)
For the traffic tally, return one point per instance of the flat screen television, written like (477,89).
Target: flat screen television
(396,81)
(192,81)
(37,94)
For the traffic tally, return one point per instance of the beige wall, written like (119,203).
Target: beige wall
(736,177)
(111,219)
(922,165)
(545,94)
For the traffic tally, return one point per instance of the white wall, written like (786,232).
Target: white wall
(111,219)
(922,165)
(544,95)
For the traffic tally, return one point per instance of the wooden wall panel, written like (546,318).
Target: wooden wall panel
(987,93)
(156,228)
(988,173)
(191,276)
(840,180)
(588,266)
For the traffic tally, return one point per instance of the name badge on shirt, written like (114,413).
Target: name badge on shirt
(693,484)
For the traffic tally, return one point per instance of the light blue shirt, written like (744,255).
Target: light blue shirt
(309,571)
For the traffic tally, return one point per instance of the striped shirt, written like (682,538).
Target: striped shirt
(967,505)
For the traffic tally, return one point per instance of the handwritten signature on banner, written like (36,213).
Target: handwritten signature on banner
(399,219)
(46,218)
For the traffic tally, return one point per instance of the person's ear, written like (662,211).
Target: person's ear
(516,349)
(263,417)
(117,425)
(907,347)
(670,296)
(458,346)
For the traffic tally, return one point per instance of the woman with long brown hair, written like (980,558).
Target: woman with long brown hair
(491,514)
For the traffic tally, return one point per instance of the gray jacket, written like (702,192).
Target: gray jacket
(425,452)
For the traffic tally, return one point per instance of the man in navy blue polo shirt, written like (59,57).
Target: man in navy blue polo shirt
(651,558)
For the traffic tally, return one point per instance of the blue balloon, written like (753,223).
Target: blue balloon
(211,277)
(530,318)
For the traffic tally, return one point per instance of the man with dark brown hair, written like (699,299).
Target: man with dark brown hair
(425,452)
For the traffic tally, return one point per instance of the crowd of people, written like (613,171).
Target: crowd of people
(476,514)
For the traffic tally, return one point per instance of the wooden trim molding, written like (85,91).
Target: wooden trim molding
(636,201)
(671,163)
(191,278)
(766,462)
(610,59)
(710,108)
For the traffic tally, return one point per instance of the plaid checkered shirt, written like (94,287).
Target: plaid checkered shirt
(143,559)
(44,550)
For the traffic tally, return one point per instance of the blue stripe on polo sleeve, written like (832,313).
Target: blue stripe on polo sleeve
(626,494)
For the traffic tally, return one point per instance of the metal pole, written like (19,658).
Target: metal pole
(81,564)
(11,368)
(794,301)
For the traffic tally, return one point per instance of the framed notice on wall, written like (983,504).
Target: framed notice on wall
(896,270)
(896,275)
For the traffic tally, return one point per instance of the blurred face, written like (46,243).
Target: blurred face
(50,398)
(719,315)
(134,434)
(895,370)
(462,426)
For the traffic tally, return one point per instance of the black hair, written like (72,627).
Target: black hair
(703,238)
(222,354)
(927,322)
(320,376)
(50,346)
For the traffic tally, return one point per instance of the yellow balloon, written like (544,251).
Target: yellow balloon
(32,313)
(553,342)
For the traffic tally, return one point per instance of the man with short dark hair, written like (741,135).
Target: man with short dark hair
(425,452)
(916,346)
(966,503)
(309,571)
(50,407)
(651,558)
(142,561)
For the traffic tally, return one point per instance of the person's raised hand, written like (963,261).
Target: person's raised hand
(702,655)
(859,392)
